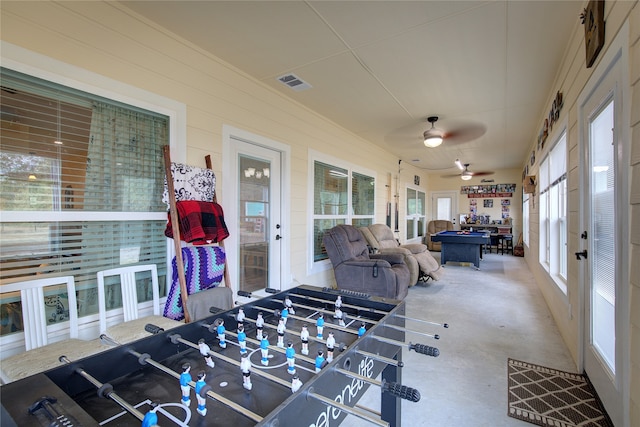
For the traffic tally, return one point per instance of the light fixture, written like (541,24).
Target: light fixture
(459,164)
(432,137)
(32,177)
(465,177)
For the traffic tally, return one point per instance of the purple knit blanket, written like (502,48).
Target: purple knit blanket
(203,269)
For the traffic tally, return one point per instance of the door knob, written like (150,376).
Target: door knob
(582,254)
(278,237)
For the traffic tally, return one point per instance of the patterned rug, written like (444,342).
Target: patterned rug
(548,397)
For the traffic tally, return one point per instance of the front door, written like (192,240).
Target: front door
(603,236)
(255,248)
(445,206)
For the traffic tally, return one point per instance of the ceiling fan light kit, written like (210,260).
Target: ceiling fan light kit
(465,177)
(432,137)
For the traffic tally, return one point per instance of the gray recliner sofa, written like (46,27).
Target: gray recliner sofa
(384,275)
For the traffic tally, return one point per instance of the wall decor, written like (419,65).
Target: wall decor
(593,20)
(488,203)
(493,190)
(416,180)
(554,115)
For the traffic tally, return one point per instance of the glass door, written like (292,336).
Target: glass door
(602,253)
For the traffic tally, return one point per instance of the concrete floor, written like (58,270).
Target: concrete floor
(494,313)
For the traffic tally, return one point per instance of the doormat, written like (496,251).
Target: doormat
(548,397)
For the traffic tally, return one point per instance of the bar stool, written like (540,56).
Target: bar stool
(505,243)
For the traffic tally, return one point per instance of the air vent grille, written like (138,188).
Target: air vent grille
(294,82)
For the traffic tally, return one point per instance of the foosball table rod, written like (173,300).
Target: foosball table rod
(400,328)
(270,326)
(356,307)
(145,358)
(105,390)
(444,325)
(176,338)
(379,358)
(397,390)
(418,348)
(347,409)
(325,311)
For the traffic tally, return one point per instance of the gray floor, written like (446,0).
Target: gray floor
(494,313)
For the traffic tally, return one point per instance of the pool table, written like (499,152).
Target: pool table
(461,246)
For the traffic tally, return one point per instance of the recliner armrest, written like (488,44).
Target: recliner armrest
(415,248)
(390,258)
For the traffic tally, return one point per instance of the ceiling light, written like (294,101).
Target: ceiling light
(432,137)
(465,177)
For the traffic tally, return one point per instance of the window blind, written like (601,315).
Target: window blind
(81,181)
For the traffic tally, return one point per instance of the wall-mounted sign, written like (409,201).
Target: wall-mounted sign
(554,115)
(593,20)
(488,195)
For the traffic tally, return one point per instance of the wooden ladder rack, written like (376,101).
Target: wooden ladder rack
(175,221)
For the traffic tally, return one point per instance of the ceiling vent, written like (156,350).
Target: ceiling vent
(294,82)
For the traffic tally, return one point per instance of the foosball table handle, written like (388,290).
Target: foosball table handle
(401,391)
(424,349)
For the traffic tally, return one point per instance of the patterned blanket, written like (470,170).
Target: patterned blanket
(201,223)
(203,268)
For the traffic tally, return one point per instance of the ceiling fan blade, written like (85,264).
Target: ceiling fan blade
(465,133)
(481,173)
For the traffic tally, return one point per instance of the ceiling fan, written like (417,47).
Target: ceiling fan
(433,137)
(465,174)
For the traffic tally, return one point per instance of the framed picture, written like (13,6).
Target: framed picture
(488,203)
(593,21)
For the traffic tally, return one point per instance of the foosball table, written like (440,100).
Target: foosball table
(302,357)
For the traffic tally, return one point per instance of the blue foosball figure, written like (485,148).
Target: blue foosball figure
(202,401)
(320,361)
(185,379)
(320,325)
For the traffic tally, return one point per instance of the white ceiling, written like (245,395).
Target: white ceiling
(380,68)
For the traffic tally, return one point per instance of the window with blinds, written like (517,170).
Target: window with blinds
(553,212)
(81,181)
(341,196)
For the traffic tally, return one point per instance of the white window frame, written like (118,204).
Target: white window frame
(553,215)
(41,66)
(314,267)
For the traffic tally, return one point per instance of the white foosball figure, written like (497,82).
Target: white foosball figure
(338,302)
(289,305)
(295,384)
(340,316)
(291,358)
(204,351)
(185,379)
(259,326)
(202,401)
(240,316)
(304,337)
(245,367)
(281,329)
(264,349)
(331,342)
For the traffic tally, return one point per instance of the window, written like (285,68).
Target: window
(553,212)
(81,181)
(416,206)
(341,196)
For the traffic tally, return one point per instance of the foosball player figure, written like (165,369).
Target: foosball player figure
(185,379)
(202,401)
(240,316)
(221,334)
(331,343)
(320,361)
(295,384)
(290,352)
(289,305)
(150,418)
(204,350)
(340,316)
(242,339)
(264,349)
(245,367)
(281,329)
(320,325)
(338,302)
(259,326)
(304,337)
(362,330)
(284,315)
